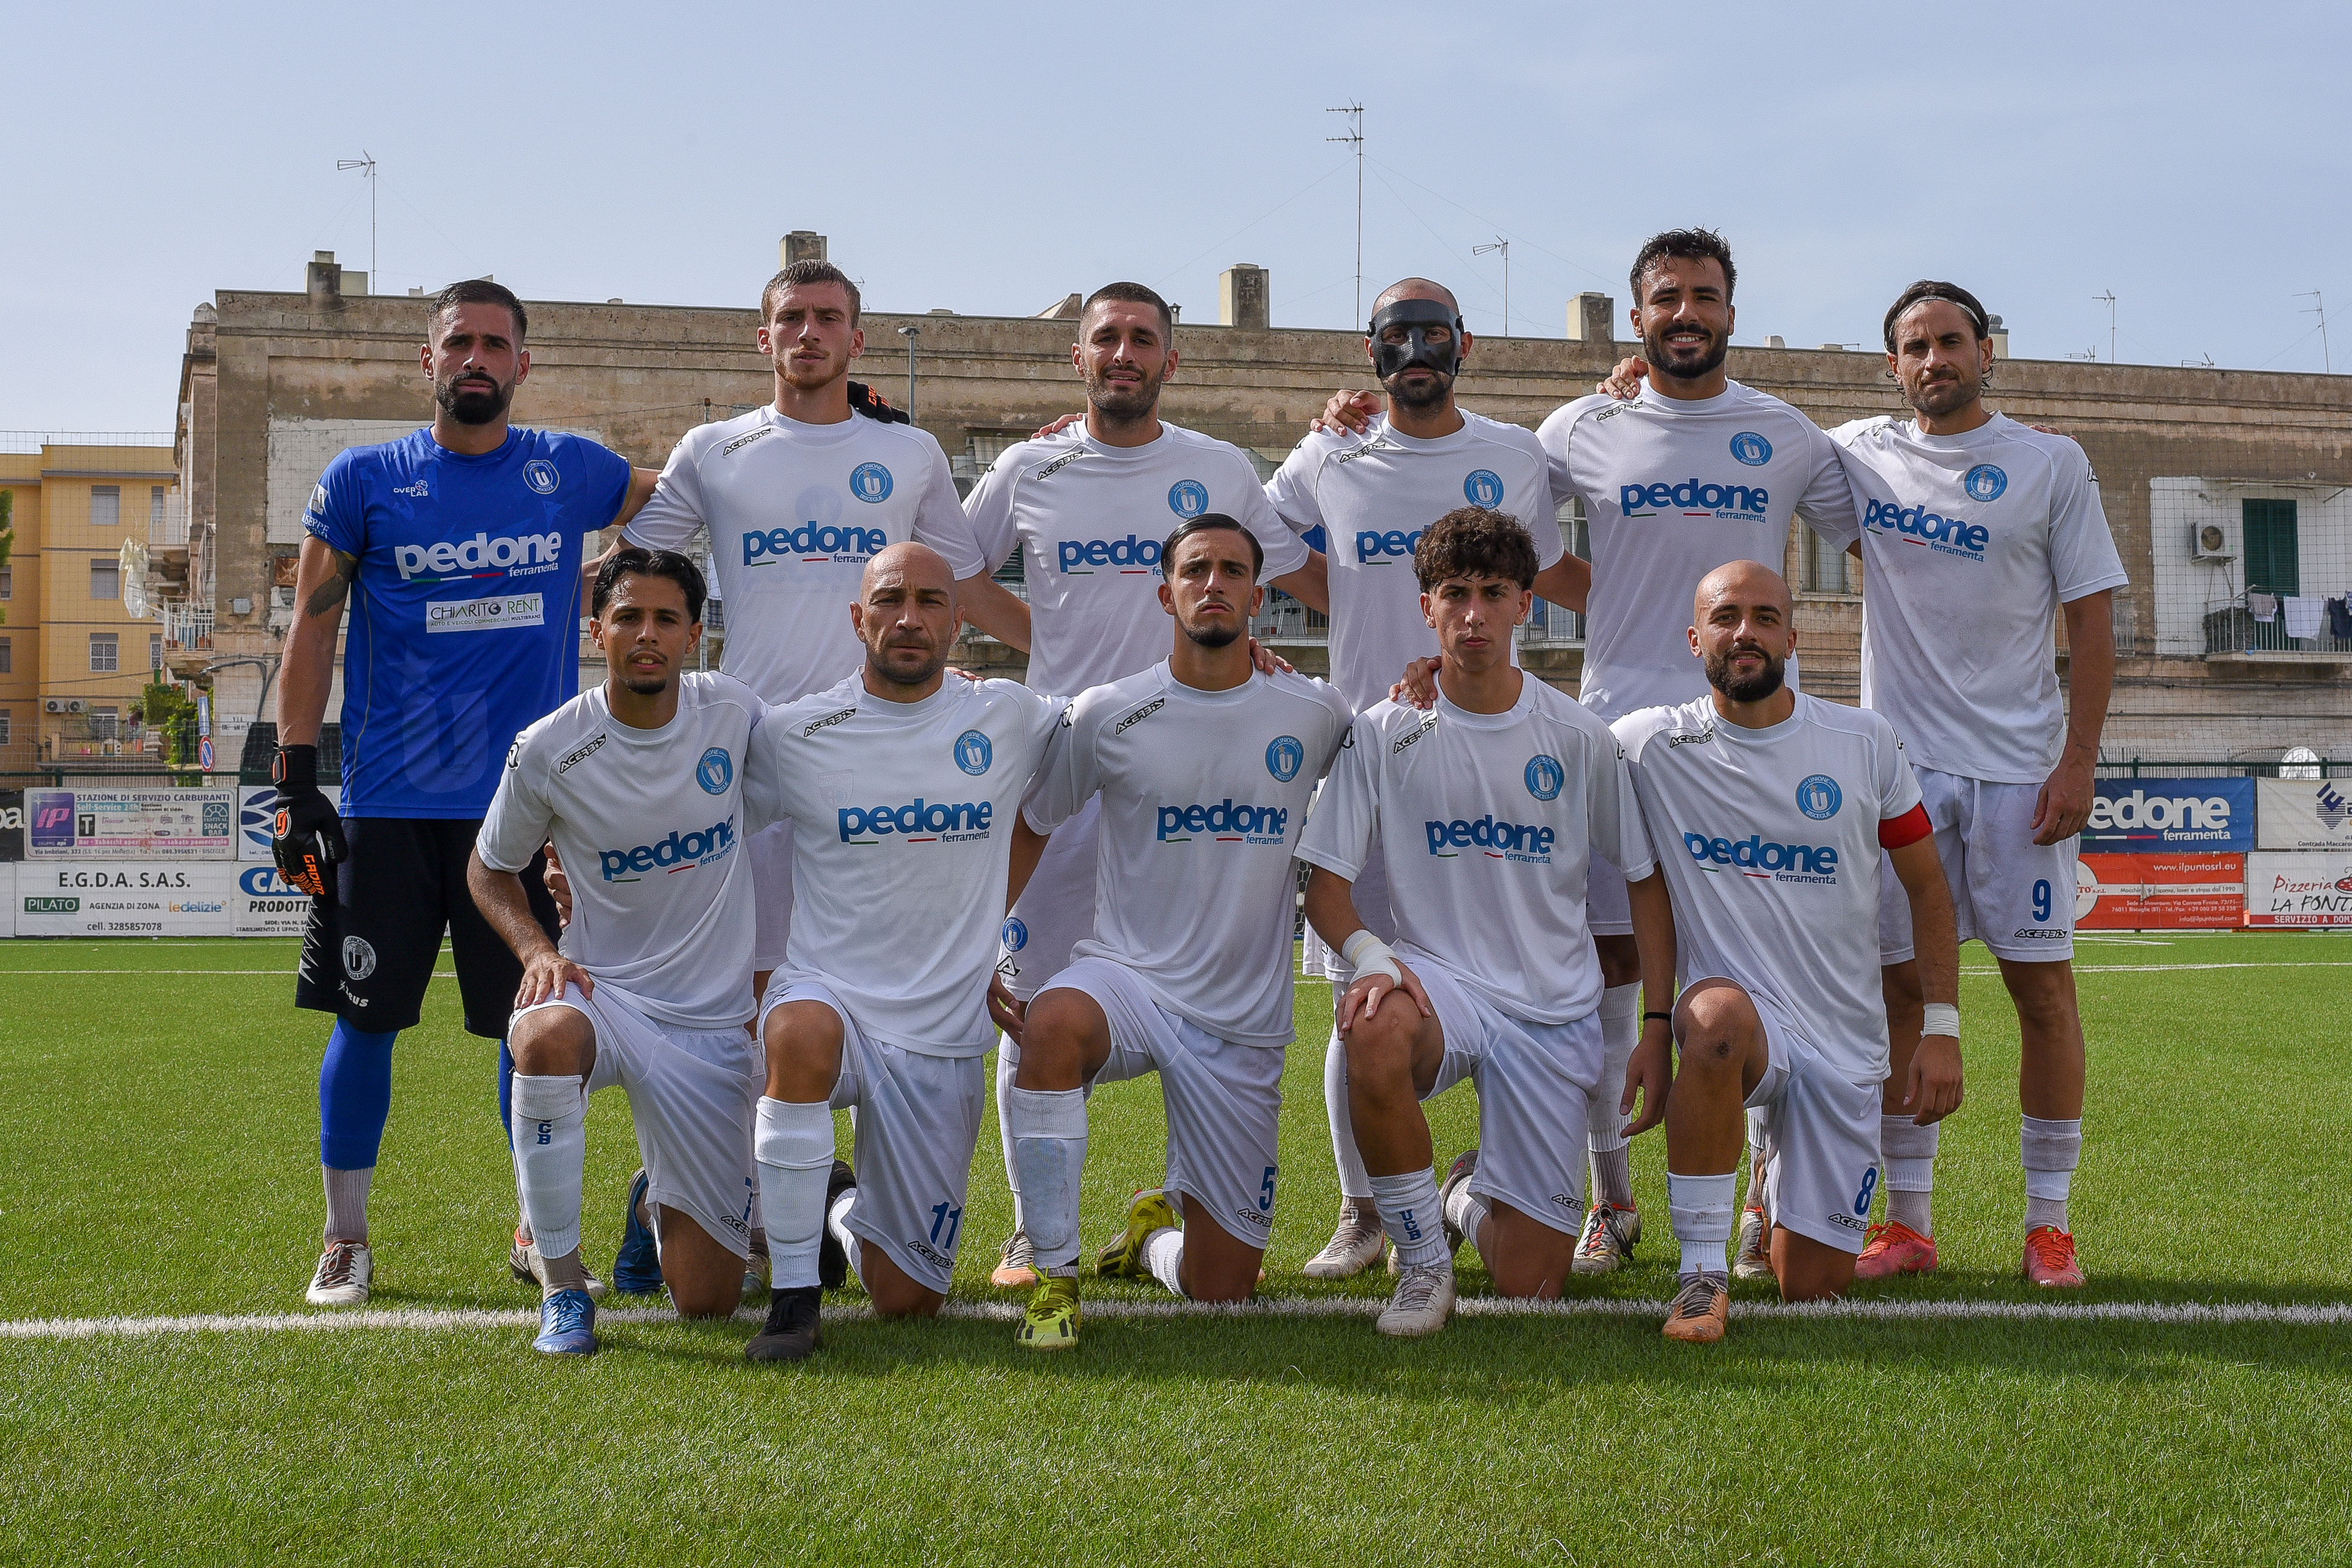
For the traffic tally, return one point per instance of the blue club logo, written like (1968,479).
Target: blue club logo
(1984,483)
(1283,756)
(1545,776)
(1819,796)
(1188,497)
(972,752)
(1015,935)
(1484,487)
(1751,449)
(715,771)
(540,476)
(870,482)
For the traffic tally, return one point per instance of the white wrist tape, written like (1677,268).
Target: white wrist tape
(1367,954)
(1941,1018)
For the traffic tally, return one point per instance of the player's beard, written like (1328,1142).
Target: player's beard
(1122,403)
(1212,635)
(1935,399)
(931,666)
(1755,687)
(646,685)
(1430,394)
(465,401)
(1706,363)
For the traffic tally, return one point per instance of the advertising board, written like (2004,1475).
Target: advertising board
(2299,890)
(2159,892)
(130,824)
(2146,816)
(2305,814)
(123,898)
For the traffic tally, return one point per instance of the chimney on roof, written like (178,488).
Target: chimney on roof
(1242,296)
(323,280)
(1067,309)
(1593,318)
(801,245)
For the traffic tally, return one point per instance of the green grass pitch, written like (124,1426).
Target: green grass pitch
(160,1156)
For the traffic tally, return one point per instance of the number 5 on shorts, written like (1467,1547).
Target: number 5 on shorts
(1265,1193)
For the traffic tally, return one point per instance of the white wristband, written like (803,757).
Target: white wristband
(1367,954)
(1941,1018)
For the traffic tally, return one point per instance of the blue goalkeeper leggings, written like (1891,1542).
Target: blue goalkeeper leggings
(355,1095)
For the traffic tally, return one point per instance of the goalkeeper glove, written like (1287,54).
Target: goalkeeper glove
(874,405)
(306,836)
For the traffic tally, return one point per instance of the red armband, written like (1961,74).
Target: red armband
(1907,829)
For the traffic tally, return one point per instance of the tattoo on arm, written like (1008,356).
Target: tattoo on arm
(329,595)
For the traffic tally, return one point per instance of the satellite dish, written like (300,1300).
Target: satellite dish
(2301,762)
(133,567)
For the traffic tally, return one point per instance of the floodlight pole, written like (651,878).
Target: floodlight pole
(1355,138)
(1504,246)
(368,163)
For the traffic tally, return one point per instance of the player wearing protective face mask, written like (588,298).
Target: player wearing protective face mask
(1374,493)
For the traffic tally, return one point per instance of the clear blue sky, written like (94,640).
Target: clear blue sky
(990,159)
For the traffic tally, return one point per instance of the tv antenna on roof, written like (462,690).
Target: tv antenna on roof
(1355,137)
(2319,309)
(368,163)
(2110,297)
(1504,246)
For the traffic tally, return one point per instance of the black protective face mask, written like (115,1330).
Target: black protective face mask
(1416,317)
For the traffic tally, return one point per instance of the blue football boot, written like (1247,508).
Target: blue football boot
(637,1271)
(567,1324)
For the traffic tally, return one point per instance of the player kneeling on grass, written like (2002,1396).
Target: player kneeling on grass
(900,785)
(639,783)
(1204,767)
(1767,810)
(1491,805)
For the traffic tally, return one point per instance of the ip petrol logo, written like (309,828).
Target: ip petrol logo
(1484,487)
(1819,796)
(1188,497)
(1984,483)
(813,541)
(1545,776)
(974,753)
(679,852)
(1283,756)
(870,482)
(715,771)
(1016,934)
(540,476)
(1751,449)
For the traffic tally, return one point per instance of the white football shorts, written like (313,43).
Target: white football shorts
(1056,909)
(917,1121)
(1533,1081)
(772,893)
(1224,1100)
(1819,1138)
(693,1095)
(2015,896)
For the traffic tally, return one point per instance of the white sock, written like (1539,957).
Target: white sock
(1048,1128)
(1604,1124)
(794,1144)
(1163,1254)
(1469,1211)
(1909,1151)
(837,1221)
(347,1195)
(1008,1058)
(550,1155)
(1409,1213)
(2051,1151)
(1701,1209)
(1354,1183)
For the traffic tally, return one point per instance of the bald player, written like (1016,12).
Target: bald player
(901,787)
(1768,810)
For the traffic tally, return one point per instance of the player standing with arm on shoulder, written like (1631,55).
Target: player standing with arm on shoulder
(1490,805)
(639,784)
(1188,971)
(1769,810)
(460,548)
(1373,494)
(1976,533)
(1088,506)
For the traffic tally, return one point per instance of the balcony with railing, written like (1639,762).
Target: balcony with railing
(2278,626)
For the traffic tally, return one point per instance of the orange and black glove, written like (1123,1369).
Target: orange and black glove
(874,405)
(306,836)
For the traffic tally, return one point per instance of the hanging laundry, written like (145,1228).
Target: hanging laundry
(2339,620)
(2264,606)
(2303,612)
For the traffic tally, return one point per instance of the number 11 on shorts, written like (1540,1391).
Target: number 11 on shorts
(948,1219)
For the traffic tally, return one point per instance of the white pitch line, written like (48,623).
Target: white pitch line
(413,1318)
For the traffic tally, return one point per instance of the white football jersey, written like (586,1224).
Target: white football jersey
(1488,822)
(902,833)
(1203,795)
(1372,495)
(650,826)
(1091,519)
(1769,839)
(796,511)
(1673,490)
(1969,544)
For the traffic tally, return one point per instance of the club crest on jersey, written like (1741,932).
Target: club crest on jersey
(540,476)
(972,752)
(1984,483)
(1819,796)
(1545,776)
(359,959)
(1016,934)
(715,771)
(1188,497)
(1284,755)
(870,482)
(1751,449)
(1484,487)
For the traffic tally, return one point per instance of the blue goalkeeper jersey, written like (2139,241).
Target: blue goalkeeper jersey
(465,613)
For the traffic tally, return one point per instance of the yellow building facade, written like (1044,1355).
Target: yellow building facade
(73,659)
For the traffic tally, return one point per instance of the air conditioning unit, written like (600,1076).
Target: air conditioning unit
(2211,542)
(53,705)
(73,705)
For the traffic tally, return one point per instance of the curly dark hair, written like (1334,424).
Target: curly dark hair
(1471,541)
